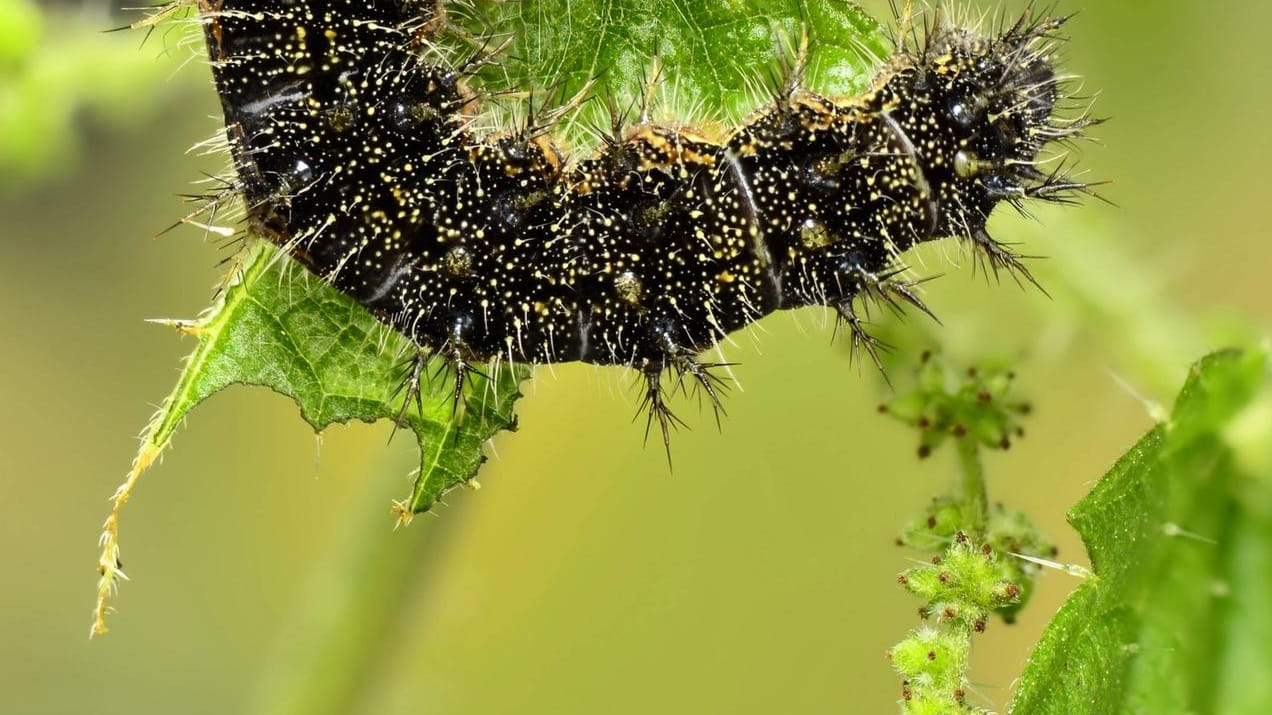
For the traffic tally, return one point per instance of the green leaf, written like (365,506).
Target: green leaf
(278,326)
(1175,618)
(719,60)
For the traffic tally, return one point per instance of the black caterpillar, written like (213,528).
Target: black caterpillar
(358,156)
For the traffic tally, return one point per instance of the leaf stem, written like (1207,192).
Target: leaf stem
(351,615)
(972,487)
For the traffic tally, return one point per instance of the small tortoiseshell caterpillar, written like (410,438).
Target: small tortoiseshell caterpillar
(356,151)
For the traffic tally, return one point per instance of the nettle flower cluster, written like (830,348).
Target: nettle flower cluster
(981,561)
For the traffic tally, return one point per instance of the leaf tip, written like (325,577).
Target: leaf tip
(108,563)
(401,510)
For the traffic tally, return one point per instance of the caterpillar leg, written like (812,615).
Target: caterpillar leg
(461,371)
(686,374)
(860,339)
(702,381)
(994,256)
(454,362)
(412,370)
(456,359)
(886,288)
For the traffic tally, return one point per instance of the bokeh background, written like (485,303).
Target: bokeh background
(757,577)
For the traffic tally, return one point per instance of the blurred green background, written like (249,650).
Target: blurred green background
(756,578)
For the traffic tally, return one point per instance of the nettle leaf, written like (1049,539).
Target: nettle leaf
(1175,618)
(717,60)
(276,326)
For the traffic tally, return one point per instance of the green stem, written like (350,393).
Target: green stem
(363,589)
(972,486)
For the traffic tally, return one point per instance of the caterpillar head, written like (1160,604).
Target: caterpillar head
(975,112)
(998,97)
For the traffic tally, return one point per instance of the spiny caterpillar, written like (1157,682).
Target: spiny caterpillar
(356,151)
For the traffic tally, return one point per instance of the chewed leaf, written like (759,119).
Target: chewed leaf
(277,326)
(1179,532)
